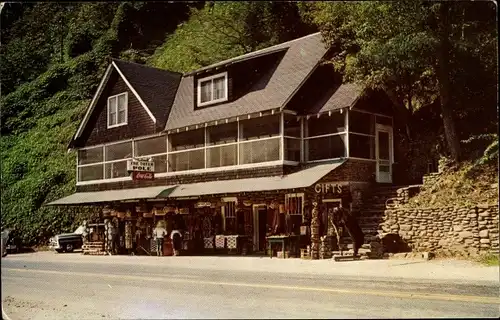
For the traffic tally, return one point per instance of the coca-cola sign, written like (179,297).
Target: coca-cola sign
(142,175)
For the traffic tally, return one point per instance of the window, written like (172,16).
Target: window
(229,215)
(294,203)
(294,206)
(212,89)
(117,110)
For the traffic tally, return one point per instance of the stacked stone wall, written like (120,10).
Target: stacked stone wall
(447,230)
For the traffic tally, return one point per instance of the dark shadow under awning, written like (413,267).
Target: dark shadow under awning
(80,198)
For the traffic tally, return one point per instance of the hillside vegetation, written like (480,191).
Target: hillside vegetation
(54,54)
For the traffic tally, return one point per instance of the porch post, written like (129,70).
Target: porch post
(282,135)
(347,132)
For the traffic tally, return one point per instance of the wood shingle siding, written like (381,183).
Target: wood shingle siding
(139,122)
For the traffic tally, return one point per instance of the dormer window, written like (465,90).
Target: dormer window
(117,110)
(212,89)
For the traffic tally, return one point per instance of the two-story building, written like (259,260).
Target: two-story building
(240,148)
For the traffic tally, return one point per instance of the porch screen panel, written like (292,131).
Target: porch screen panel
(188,160)
(88,173)
(292,149)
(222,156)
(361,146)
(222,134)
(156,145)
(326,124)
(116,170)
(88,156)
(260,151)
(119,151)
(161,163)
(292,126)
(326,147)
(187,140)
(261,127)
(360,122)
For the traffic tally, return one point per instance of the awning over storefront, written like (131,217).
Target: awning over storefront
(301,179)
(113,195)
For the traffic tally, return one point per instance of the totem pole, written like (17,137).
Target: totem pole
(315,232)
(108,243)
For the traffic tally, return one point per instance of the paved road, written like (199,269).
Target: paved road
(50,288)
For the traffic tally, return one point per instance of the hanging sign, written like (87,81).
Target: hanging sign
(143,175)
(140,165)
(202,204)
(328,188)
(169,209)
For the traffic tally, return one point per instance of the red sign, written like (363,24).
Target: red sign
(142,175)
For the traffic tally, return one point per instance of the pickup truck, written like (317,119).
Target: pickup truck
(67,242)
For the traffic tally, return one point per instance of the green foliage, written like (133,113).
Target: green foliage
(51,67)
(223,30)
(460,185)
(490,153)
(489,259)
(418,51)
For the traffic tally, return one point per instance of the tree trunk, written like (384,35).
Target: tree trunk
(443,73)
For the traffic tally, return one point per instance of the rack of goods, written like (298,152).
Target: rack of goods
(94,248)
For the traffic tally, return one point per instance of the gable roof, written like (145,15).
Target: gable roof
(345,96)
(154,88)
(301,57)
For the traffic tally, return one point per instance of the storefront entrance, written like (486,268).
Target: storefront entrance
(259,227)
(384,153)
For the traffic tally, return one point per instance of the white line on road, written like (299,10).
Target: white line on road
(393,294)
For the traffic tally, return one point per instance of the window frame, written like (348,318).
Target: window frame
(116,96)
(289,196)
(211,79)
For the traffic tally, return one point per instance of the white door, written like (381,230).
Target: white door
(384,153)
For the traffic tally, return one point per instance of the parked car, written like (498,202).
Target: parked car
(5,238)
(67,242)
(11,242)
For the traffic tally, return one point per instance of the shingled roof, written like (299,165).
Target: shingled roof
(156,87)
(300,59)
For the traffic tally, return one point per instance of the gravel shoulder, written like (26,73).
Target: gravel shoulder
(408,269)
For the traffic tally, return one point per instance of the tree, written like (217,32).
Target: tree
(409,47)
(223,30)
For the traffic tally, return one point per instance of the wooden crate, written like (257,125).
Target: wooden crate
(279,254)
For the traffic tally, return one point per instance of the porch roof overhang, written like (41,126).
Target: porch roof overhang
(81,198)
(301,179)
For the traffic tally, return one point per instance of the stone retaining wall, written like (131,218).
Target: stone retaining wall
(449,230)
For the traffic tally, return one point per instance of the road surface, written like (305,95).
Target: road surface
(79,287)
